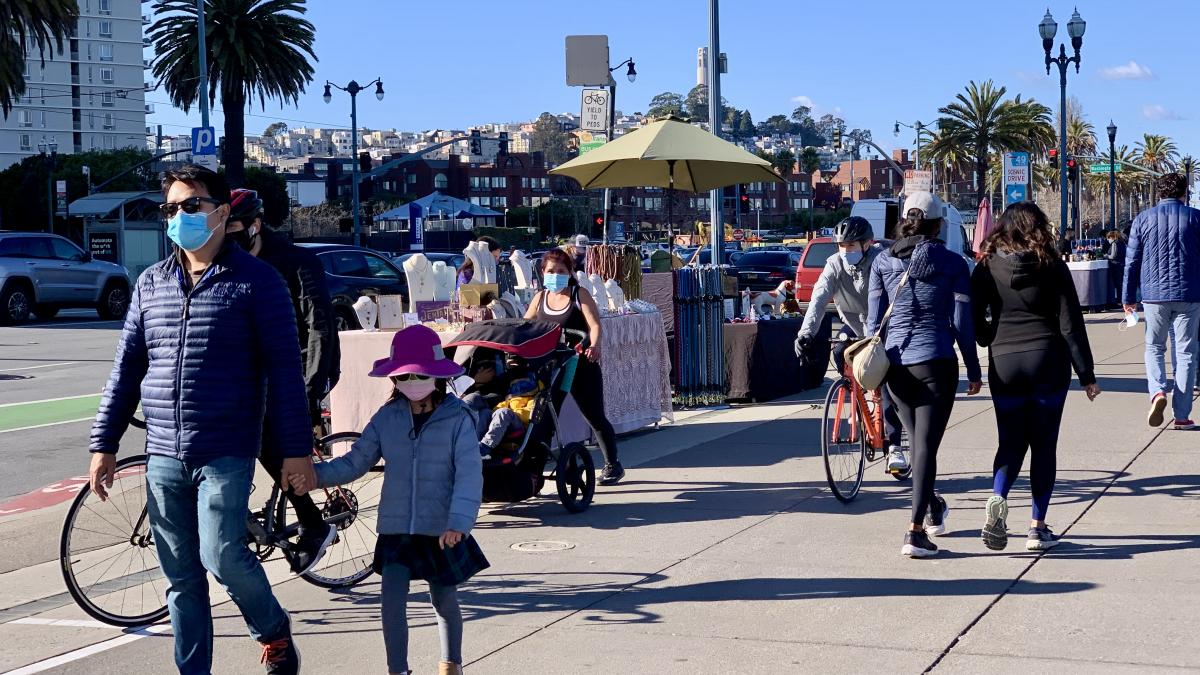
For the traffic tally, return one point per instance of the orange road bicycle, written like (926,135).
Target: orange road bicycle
(852,434)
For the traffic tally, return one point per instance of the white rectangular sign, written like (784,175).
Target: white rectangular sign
(1016,168)
(594,110)
(918,181)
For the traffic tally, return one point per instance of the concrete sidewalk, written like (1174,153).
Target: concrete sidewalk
(723,551)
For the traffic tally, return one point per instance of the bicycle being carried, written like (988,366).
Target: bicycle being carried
(111,569)
(852,433)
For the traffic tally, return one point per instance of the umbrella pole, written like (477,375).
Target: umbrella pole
(670,201)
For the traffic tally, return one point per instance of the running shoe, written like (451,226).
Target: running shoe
(612,474)
(935,520)
(280,657)
(917,545)
(1184,425)
(995,528)
(897,462)
(311,547)
(1040,539)
(1158,405)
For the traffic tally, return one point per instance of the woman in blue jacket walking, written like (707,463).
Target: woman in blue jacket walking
(931,311)
(432,487)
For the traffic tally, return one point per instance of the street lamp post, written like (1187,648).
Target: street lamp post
(631,74)
(1048,29)
(919,127)
(353,88)
(1112,176)
(50,159)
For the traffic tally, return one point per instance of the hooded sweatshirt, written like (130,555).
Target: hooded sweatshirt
(932,312)
(1034,307)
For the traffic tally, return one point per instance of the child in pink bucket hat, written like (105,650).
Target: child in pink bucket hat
(432,487)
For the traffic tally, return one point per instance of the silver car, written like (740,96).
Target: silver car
(43,273)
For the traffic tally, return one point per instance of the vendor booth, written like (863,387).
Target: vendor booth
(1091,282)
(761,362)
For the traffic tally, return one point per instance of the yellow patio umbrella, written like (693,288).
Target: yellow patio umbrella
(668,153)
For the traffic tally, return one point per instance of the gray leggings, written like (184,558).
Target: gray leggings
(396,580)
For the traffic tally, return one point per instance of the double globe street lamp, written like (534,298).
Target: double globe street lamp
(1112,176)
(51,161)
(1048,29)
(353,88)
(631,75)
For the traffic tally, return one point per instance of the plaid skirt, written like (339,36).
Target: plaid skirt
(427,560)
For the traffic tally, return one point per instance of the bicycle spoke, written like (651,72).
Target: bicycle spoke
(116,528)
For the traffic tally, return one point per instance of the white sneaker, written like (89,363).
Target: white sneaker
(935,519)
(897,462)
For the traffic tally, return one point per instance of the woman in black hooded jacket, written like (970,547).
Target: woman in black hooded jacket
(1035,334)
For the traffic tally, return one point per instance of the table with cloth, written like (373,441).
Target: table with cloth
(1091,282)
(761,362)
(636,365)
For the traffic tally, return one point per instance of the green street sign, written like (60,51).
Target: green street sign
(1103,168)
(588,146)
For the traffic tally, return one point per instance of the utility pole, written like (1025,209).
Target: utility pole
(714,121)
(203,63)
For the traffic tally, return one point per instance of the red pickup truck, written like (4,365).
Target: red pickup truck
(811,263)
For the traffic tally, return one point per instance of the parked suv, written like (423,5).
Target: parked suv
(812,262)
(352,272)
(43,273)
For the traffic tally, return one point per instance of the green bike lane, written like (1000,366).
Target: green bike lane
(48,412)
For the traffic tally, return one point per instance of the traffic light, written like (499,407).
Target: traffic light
(744,199)
(837,140)
(598,219)
(1052,155)
(503,142)
(1072,169)
(476,143)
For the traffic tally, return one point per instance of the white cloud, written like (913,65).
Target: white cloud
(1129,71)
(804,101)
(1157,112)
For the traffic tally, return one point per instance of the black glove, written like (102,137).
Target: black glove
(802,346)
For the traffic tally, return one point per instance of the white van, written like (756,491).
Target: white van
(884,216)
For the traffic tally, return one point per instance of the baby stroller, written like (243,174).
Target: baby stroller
(518,470)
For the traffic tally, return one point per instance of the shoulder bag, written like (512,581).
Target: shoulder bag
(868,357)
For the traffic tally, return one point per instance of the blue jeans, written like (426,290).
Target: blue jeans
(1180,320)
(198,517)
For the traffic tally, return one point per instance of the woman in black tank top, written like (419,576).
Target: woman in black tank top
(565,303)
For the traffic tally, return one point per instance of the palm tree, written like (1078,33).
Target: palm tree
(1189,169)
(257,48)
(981,121)
(1081,137)
(39,23)
(1157,153)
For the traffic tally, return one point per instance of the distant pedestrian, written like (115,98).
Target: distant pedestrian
(928,288)
(432,488)
(1162,265)
(1034,336)
(1115,254)
(208,349)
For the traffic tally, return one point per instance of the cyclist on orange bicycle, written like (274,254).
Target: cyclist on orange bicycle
(845,280)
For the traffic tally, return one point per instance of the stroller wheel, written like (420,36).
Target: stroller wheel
(575,475)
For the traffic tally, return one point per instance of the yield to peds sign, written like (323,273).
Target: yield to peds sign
(204,147)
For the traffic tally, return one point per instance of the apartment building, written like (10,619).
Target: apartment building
(88,96)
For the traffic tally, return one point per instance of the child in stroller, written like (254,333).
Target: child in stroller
(511,416)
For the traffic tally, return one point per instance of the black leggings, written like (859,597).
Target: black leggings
(924,396)
(588,390)
(1028,393)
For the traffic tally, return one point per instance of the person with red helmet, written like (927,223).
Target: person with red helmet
(319,348)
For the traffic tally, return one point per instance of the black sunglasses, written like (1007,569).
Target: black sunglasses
(189,206)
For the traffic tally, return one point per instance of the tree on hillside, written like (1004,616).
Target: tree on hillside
(275,128)
(260,48)
(775,124)
(695,106)
(827,124)
(744,128)
(856,138)
(666,103)
(549,139)
(25,24)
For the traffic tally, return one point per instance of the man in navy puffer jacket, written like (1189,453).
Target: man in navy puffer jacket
(209,348)
(1163,262)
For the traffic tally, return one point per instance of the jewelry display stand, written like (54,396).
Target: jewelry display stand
(482,261)
(421,281)
(366,310)
(443,281)
(523,267)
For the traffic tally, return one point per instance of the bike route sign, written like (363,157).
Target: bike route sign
(593,114)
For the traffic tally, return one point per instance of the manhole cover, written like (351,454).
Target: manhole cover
(543,546)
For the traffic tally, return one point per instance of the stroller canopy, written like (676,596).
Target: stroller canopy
(526,339)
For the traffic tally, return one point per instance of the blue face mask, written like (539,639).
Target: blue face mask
(852,258)
(189,231)
(556,282)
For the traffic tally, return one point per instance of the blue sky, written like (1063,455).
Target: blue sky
(455,63)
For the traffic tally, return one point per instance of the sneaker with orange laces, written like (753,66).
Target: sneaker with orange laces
(281,656)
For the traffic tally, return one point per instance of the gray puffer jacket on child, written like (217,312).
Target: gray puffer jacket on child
(432,480)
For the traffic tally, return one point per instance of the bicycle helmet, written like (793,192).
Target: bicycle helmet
(245,205)
(852,229)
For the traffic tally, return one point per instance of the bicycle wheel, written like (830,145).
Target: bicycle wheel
(353,509)
(843,442)
(106,552)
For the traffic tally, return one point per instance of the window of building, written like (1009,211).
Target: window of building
(440,182)
(108,121)
(477,201)
(91,120)
(106,52)
(87,28)
(485,201)
(412,179)
(104,6)
(526,201)
(42,118)
(24,118)
(500,201)
(108,142)
(106,29)
(499,181)
(28,70)
(106,99)
(106,75)
(26,142)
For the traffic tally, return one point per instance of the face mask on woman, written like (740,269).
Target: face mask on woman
(414,387)
(189,231)
(556,282)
